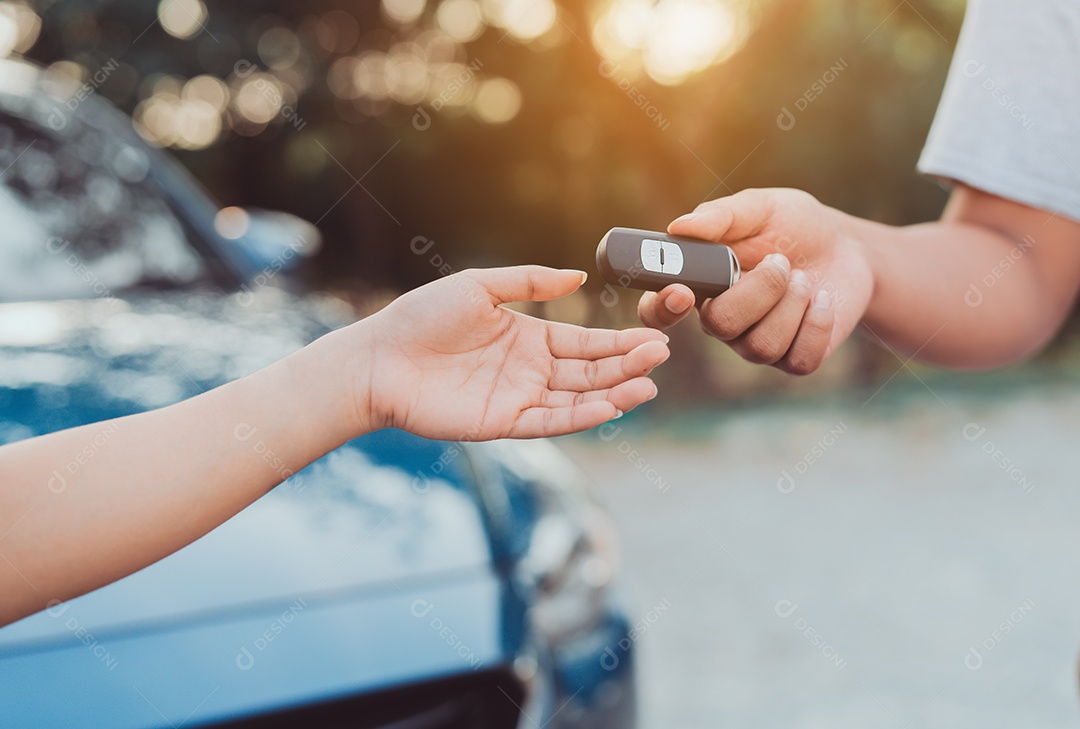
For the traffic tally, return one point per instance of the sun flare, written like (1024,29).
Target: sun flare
(670,40)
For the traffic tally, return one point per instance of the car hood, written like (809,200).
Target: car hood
(387,512)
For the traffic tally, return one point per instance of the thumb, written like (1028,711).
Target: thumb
(726,219)
(527,283)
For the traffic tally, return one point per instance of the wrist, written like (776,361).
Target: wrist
(333,375)
(854,239)
(301,407)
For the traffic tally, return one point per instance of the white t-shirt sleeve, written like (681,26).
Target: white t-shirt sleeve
(1009,120)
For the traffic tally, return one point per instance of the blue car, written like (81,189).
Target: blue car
(397,582)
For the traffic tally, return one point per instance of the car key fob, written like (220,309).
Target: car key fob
(643,259)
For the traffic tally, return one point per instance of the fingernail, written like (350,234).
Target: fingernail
(779,260)
(823,300)
(584,276)
(685,218)
(618,414)
(677,304)
(799,278)
(655,392)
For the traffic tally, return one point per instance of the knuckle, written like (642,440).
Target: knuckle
(549,420)
(804,198)
(592,373)
(808,356)
(800,364)
(719,322)
(764,348)
(818,326)
(584,339)
(647,313)
(774,279)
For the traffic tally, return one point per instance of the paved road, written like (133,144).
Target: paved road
(896,564)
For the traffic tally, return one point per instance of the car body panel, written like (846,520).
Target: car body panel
(197,671)
(363,532)
(388,573)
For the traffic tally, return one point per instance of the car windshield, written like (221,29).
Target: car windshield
(79,216)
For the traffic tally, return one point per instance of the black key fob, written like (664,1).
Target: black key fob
(644,259)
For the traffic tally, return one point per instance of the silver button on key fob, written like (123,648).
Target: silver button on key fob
(647,260)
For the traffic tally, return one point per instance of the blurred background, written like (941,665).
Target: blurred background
(867,525)
(423,136)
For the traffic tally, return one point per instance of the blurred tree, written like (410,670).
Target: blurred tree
(508,131)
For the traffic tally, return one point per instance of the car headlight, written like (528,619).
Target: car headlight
(572,553)
(570,563)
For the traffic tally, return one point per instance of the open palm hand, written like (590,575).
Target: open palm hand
(448,362)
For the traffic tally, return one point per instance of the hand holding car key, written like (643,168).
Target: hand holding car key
(782,311)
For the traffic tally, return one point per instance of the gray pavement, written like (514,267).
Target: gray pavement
(911,562)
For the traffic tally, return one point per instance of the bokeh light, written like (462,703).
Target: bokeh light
(404,12)
(19,28)
(522,19)
(337,31)
(497,101)
(462,20)
(182,18)
(420,57)
(209,89)
(188,121)
(232,222)
(581,113)
(259,98)
(279,48)
(420,66)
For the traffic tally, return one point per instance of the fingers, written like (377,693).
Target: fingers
(666,307)
(549,422)
(769,318)
(811,345)
(732,218)
(526,283)
(574,342)
(570,412)
(768,341)
(625,396)
(747,302)
(581,375)
(795,336)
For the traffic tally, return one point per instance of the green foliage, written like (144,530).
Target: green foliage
(593,145)
(580,156)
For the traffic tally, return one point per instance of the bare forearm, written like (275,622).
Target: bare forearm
(451,362)
(141,487)
(961,294)
(988,284)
